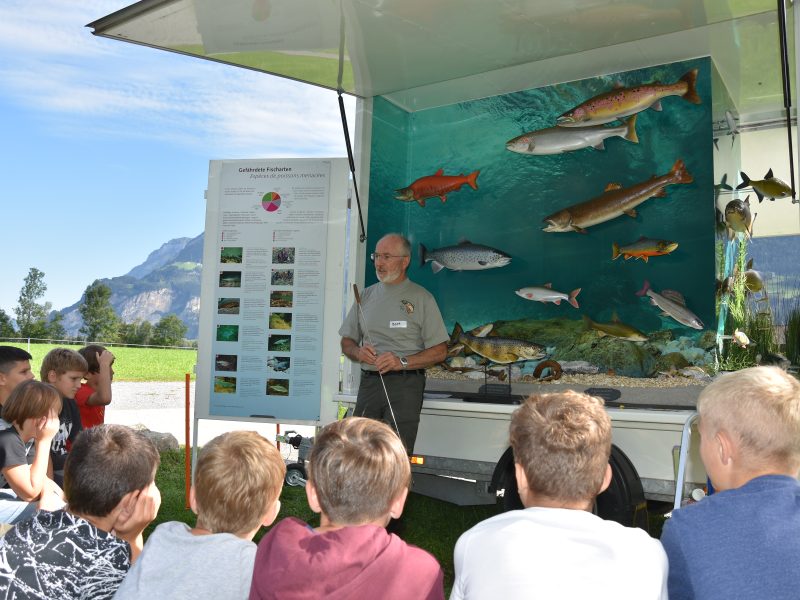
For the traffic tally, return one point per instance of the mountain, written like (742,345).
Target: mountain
(167,282)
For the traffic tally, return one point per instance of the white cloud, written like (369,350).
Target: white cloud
(54,65)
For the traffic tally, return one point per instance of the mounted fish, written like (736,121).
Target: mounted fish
(498,349)
(673,304)
(614,202)
(556,140)
(622,102)
(436,185)
(770,187)
(616,328)
(466,256)
(643,248)
(753,280)
(546,293)
(738,218)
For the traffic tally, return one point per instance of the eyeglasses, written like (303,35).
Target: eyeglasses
(384,256)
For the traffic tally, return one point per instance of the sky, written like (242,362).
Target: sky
(104,145)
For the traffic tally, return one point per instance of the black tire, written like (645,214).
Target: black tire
(295,476)
(511,500)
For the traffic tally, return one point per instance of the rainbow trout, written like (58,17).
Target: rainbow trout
(614,202)
(498,349)
(622,102)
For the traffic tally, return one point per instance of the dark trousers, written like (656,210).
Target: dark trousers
(405,394)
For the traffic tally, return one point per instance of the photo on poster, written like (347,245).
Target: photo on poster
(228,333)
(228,306)
(226,362)
(231,254)
(277,387)
(282,277)
(279,364)
(280,299)
(279,343)
(283,256)
(280,320)
(230,279)
(224,385)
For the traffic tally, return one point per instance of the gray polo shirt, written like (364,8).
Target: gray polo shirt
(402,318)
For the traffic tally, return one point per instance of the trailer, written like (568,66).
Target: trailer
(403,60)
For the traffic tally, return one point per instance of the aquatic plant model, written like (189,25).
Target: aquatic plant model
(591,192)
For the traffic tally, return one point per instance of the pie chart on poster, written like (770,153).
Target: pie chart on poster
(271,201)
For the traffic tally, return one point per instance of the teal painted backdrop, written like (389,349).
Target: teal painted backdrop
(517,191)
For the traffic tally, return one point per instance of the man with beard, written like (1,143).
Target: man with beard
(405,335)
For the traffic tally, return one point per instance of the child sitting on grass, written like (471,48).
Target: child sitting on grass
(32,411)
(237,481)
(95,393)
(84,550)
(744,540)
(358,480)
(64,369)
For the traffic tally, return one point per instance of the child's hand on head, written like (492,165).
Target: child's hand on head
(141,511)
(105,358)
(47,427)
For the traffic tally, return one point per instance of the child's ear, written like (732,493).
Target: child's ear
(397,505)
(51,376)
(311,496)
(192,500)
(606,479)
(522,483)
(125,508)
(271,514)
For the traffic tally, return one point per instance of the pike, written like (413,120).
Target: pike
(622,102)
(615,201)
(546,293)
(673,304)
(770,187)
(498,349)
(556,140)
(616,328)
(435,185)
(642,248)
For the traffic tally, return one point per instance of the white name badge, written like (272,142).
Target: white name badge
(398,324)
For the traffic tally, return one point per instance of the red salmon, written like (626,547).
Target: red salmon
(435,185)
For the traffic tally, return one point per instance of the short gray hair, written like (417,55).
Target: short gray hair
(406,245)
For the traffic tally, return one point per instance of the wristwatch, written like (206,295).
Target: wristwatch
(404,362)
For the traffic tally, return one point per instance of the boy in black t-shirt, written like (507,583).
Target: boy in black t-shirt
(64,369)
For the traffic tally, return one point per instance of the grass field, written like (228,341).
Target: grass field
(427,523)
(132,364)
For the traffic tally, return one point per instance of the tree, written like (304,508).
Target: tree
(100,322)
(55,327)
(138,332)
(32,316)
(169,331)
(6,328)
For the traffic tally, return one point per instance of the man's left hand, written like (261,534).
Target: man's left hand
(388,362)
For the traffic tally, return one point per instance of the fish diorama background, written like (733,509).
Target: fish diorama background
(516,191)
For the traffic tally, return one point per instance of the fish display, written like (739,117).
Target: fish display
(770,187)
(622,102)
(673,304)
(614,202)
(556,140)
(738,218)
(465,256)
(498,349)
(642,248)
(546,293)
(739,338)
(436,185)
(753,280)
(616,328)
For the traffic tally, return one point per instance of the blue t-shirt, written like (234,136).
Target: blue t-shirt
(742,543)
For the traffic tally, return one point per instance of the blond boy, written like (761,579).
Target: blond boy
(556,547)
(744,540)
(238,478)
(64,369)
(358,480)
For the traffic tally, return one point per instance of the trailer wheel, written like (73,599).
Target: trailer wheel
(295,475)
(622,502)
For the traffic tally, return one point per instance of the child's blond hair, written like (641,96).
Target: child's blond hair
(61,360)
(238,477)
(563,443)
(760,408)
(358,467)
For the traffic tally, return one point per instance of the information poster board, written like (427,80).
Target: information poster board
(262,302)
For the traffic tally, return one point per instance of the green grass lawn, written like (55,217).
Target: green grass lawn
(132,364)
(427,523)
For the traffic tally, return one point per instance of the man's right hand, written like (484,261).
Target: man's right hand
(367,354)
